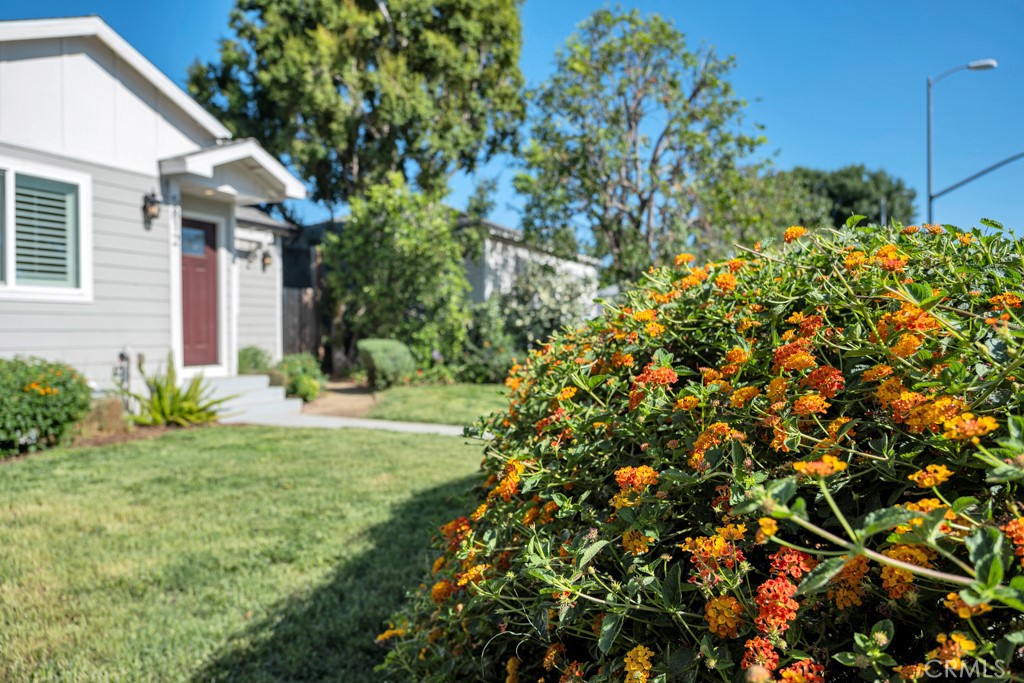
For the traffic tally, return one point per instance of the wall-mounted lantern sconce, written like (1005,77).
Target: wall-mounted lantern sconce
(267,259)
(150,208)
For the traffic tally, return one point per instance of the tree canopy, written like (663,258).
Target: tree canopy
(854,190)
(397,272)
(634,137)
(348,91)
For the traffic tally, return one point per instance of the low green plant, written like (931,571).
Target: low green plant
(302,375)
(40,402)
(252,360)
(171,404)
(386,361)
(490,350)
(306,388)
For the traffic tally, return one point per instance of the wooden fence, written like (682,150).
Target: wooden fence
(301,321)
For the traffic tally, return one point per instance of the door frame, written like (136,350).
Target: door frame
(224,365)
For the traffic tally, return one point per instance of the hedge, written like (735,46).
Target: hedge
(800,464)
(40,402)
(386,361)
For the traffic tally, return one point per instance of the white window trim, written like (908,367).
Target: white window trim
(10,290)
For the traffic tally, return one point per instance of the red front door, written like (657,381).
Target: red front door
(199,291)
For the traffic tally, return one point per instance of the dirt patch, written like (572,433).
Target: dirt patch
(343,398)
(111,438)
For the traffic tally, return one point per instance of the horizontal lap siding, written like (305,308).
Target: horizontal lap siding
(131,284)
(259,309)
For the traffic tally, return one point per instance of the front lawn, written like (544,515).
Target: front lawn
(228,553)
(455,404)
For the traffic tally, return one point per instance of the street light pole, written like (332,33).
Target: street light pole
(976,65)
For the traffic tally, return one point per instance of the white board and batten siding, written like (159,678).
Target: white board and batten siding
(87,103)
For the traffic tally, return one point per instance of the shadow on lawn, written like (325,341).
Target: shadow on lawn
(328,634)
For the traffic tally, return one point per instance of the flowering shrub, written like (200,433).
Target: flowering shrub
(797,465)
(40,402)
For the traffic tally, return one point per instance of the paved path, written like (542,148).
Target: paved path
(327,422)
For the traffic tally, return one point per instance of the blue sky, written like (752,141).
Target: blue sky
(832,82)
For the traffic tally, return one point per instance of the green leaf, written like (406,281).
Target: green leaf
(1015,425)
(963,503)
(987,549)
(590,552)
(853,220)
(918,293)
(1011,597)
(996,225)
(845,658)
(819,577)
(610,627)
(1008,644)
(670,592)
(882,520)
(927,531)
(782,490)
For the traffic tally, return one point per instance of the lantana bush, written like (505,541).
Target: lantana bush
(801,464)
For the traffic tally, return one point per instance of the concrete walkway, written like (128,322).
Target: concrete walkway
(306,420)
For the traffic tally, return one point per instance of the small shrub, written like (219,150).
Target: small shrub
(171,404)
(252,360)
(489,352)
(386,361)
(301,371)
(305,387)
(800,465)
(40,402)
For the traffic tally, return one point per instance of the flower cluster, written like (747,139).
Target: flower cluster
(745,466)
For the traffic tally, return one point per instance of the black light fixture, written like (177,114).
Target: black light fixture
(267,259)
(150,207)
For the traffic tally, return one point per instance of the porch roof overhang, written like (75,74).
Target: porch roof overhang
(240,171)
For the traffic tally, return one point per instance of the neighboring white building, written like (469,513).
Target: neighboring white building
(505,254)
(90,132)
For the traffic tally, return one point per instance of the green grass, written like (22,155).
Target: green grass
(229,553)
(454,404)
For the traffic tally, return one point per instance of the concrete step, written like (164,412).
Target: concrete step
(239,384)
(240,401)
(254,412)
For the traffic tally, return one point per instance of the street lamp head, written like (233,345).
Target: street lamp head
(982,64)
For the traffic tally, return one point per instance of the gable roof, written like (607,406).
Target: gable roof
(204,161)
(95,27)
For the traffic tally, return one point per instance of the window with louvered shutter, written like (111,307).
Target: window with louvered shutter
(45,232)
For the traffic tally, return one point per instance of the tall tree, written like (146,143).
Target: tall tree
(633,138)
(398,272)
(348,91)
(854,190)
(759,203)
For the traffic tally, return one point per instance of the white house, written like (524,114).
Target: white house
(505,254)
(123,219)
